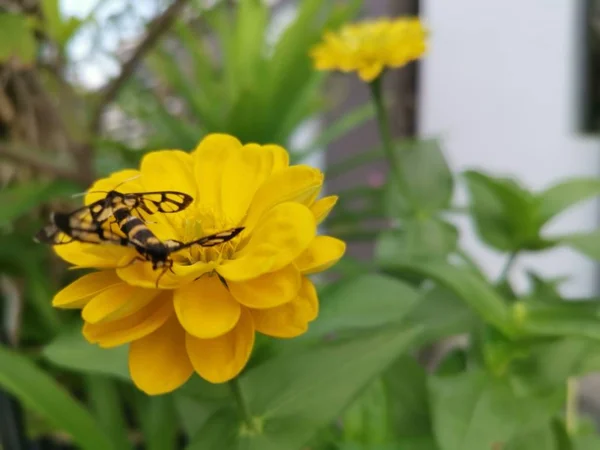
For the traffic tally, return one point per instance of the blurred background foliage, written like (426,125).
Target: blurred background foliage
(414,349)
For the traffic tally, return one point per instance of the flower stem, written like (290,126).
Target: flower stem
(507,266)
(571,420)
(242,405)
(384,127)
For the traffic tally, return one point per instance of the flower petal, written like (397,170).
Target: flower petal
(168,170)
(289,320)
(246,170)
(322,253)
(79,292)
(322,207)
(205,308)
(93,255)
(298,183)
(158,363)
(117,302)
(137,325)
(220,359)
(369,72)
(210,159)
(143,275)
(284,233)
(268,290)
(124,181)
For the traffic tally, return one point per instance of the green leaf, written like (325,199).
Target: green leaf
(295,395)
(366,421)
(539,438)
(16,39)
(558,198)
(406,385)
(586,243)
(441,313)
(219,432)
(71,351)
(417,240)
(470,288)
(40,393)
(251,22)
(159,422)
(365,302)
(426,176)
(473,411)
(52,20)
(340,127)
(504,213)
(569,318)
(21,199)
(108,408)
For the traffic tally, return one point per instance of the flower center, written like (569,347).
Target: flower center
(198,223)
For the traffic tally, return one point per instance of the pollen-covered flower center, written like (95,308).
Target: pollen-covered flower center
(198,223)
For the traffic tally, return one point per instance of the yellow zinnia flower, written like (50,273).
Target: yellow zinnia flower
(204,316)
(370,47)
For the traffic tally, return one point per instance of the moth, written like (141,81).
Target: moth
(67,227)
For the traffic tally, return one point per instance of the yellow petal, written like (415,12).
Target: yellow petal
(143,275)
(284,233)
(158,363)
(210,159)
(246,170)
(322,253)
(169,170)
(205,308)
(127,180)
(369,72)
(79,292)
(299,183)
(220,359)
(322,207)
(116,302)
(135,326)
(268,290)
(99,256)
(289,320)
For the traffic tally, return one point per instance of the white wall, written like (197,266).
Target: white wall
(500,88)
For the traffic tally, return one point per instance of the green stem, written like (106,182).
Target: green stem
(242,405)
(571,419)
(384,127)
(509,263)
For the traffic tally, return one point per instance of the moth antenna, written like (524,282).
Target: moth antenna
(81,194)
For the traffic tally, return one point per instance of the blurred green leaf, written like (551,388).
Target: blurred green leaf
(505,214)
(426,177)
(297,394)
(586,243)
(416,240)
(108,408)
(159,422)
(52,19)
(408,404)
(220,431)
(39,392)
(16,39)
(341,126)
(71,351)
(364,302)
(470,288)
(544,290)
(473,411)
(21,199)
(559,197)
(540,437)
(441,313)
(569,318)
(366,421)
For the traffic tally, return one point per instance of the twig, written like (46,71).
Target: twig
(30,160)
(156,28)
